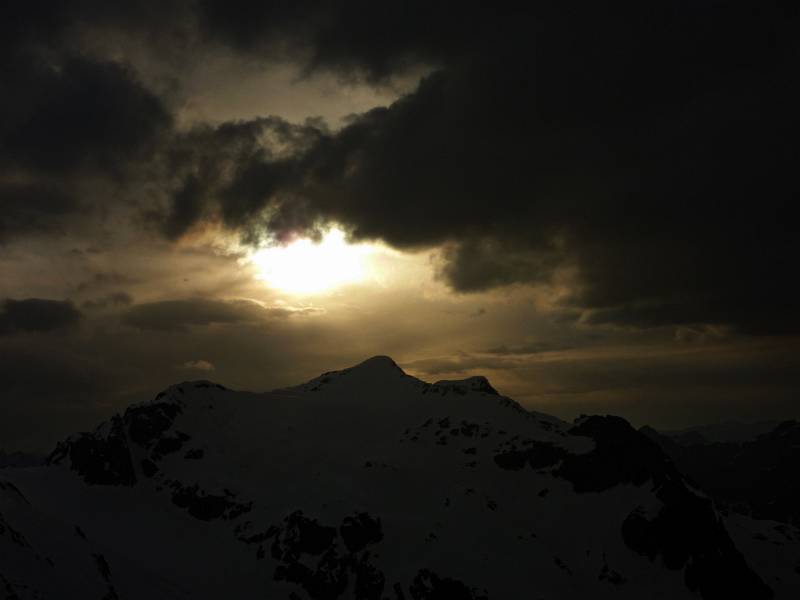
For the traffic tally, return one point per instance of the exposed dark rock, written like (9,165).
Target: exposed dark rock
(199,505)
(148,422)
(301,535)
(538,455)
(427,585)
(7,486)
(462,387)
(99,459)
(621,455)
(469,429)
(327,581)
(686,532)
(16,537)
(370,581)
(194,454)
(102,566)
(149,468)
(8,588)
(756,477)
(206,507)
(111,594)
(359,531)
(326,577)
(169,445)
(239,509)
(562,565)
(105,573)
(104,458)
(610,575)
(258,538)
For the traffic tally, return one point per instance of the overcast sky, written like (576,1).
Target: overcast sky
(590,206)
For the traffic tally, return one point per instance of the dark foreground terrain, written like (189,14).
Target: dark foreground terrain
(367,483)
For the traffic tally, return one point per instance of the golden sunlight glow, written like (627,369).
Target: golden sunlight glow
(308,267)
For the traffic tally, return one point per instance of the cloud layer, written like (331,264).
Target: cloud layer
(646,151)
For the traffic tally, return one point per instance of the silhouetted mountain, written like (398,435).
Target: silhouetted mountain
(367,483)
(757,477)
(727,431)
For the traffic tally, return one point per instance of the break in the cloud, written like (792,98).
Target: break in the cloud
(647,165)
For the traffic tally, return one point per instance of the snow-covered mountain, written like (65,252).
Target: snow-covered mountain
(367,483)
(757,477)
(725,432)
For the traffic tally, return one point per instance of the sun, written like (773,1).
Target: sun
(309,267)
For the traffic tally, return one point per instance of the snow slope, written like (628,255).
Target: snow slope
(365,483)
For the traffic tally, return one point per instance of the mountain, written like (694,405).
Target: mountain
(367,483)
(727,431)
(757,477)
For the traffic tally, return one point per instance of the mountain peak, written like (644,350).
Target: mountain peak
(374,370)
(378,363)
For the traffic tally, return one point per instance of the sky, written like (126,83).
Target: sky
(590,205)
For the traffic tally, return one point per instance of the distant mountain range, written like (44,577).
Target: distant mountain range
(759,475)
(727,431)
(369,484)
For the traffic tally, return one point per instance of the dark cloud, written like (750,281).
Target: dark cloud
(77,113)
(32,207)
(234,171)
(36,315)
(529,348)
(646,150)
(179,315)
(67,118)
(356,38)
